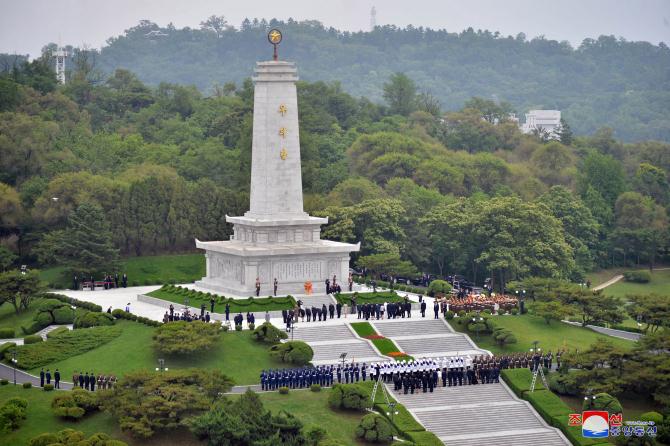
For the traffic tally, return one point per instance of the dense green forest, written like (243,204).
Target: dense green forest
(604,82)
(108,166)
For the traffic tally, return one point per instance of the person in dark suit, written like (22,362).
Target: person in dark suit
(436,309)
(92,381)
(57,379)
(227,311)
(258,286)
(211,304)
(81,380)
(338,307)
(42,378)
(75,283)
(324,312)
(48,376)
(86,381)
(202,310)
(423,309)
(116,280)
(275,285)
(331,310)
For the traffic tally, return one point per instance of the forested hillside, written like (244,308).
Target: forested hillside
(101,168)
(603,82)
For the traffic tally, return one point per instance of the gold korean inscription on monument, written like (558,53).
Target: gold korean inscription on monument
(282,109)
(283,154)
(282,132)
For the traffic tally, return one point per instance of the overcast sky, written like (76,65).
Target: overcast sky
(26,25)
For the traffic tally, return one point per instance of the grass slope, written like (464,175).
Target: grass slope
(237,355)
(660,284)
(145,270)
(528,328)
(9,318)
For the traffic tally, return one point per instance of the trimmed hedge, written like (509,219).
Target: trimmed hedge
(63,346)
(519,380)
(6,347)
(90,306)
(369,298)
(637,276)
(177,294)
(315,387)
(32,339)
(424,438)
(268,333)
(48,387)
(84,319)
(292,352)
(349,397)
(54,333)
(375,429)
(122,314)
(27,385)
(4,382)
(283,390)
(6,333)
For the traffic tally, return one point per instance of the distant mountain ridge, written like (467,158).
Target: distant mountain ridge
(604,82)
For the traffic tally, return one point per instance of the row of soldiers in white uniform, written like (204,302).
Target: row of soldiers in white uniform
(425,374)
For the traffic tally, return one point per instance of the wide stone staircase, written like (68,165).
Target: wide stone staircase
(330,341)
(486,414)
(316,300)
(426,337)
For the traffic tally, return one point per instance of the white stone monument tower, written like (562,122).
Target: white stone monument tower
(276,238)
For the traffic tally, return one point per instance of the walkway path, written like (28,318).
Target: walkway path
(612,281)
(629,335)
(487,414)
(7,372)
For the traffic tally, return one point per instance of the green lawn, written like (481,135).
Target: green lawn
(528,328)
(9,318)
(237,355)
(145,270)
(312,409)
(660,284)
(385,345)
(255,305)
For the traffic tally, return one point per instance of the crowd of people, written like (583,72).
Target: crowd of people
(479,302)
(46,377)
(186,315)
(109,281)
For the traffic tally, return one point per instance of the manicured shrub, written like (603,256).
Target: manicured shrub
(251,326)
(563,383)
(461,313)
(85,319)
(656,417)
(269,334)
(32,339)
(315,387)
(439,286)
(514,311)
(283,390)
(75,302)
(44,439)
(374,428)
(238,327)
(75,404)
(603,401)
(65,345)
(449,315)
(349,397)
(3,382)
(7,347)
(637,276)
(292,352)
(6,333)
(186,338)
(54,333)
(27,385)
(48,387)
(225,328)
(12,412)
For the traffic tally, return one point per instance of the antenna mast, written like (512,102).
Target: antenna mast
(373,18)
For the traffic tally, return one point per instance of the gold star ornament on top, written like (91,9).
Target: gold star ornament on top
(283,154)
(274,36)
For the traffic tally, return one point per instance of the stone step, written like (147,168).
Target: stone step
(547,437)
(411,326)
(434,345)
(481,419)
(355,352)
(455,396)
(316,333)
(316,300)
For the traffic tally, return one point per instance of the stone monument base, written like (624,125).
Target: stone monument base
(233,266)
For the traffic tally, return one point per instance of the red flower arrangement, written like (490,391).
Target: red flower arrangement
(374,336)
(397,354)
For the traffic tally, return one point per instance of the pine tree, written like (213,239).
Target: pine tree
(86,245)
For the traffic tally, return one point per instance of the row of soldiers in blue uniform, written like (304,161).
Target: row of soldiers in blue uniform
(323,375)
